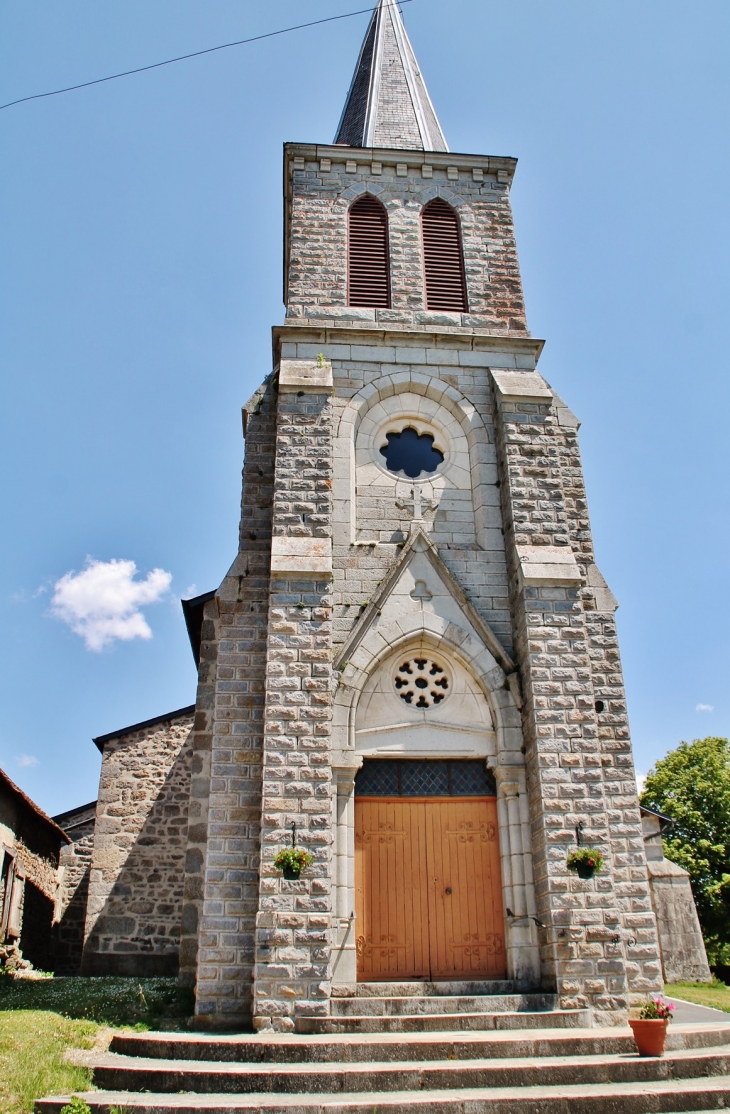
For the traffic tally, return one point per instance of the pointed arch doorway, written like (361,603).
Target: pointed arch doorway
(428,885)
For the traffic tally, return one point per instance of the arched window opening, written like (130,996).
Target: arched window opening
(368,270)
(442,258)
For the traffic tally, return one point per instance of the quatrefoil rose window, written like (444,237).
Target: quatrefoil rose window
(421,682)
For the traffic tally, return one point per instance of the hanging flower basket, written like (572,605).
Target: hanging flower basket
(291,861)
(585,862)
(650,1028)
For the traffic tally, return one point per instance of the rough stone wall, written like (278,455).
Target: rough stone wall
(293,938)
(134,904)
(76,864)
(221,870)
(27,835)
(41,870)
(324,184)
(600,946)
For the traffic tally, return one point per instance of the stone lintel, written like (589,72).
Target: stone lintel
(521,386)
(548,565)
(305,375)
(303,556)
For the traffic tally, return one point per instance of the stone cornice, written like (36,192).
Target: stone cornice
(463,338)
(502,165)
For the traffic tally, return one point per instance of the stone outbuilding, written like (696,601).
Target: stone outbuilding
(78,824)
(137,861)
(30,881)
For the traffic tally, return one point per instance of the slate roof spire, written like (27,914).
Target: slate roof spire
(388,104)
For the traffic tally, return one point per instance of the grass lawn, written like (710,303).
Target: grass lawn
(714,994)
(43,1021)
(152,1003)
(32,1047)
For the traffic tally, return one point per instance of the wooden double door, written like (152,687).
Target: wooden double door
(428,888)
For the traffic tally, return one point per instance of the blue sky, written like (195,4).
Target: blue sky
(141,247)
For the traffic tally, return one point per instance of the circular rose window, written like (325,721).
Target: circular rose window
(421,682)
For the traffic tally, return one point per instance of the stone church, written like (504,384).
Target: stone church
(411,670)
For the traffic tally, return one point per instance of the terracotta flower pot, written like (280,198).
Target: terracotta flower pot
(650,1036)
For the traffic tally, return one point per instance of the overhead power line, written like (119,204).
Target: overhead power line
(194,54)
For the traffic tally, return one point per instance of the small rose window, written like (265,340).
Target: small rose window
(421,682)
(411,453)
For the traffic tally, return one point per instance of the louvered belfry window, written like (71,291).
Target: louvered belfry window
(368,270)
(442,258)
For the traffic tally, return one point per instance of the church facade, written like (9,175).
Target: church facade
(412,665)
(411,670)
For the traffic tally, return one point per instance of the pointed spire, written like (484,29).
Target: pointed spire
(388,104)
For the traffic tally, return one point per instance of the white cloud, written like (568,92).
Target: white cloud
(640,782)
(704,708)
(102,602)
(191,591)
(27,760)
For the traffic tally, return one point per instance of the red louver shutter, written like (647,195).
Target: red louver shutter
(443,259)
(368,278)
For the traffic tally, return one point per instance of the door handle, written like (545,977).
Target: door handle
(448,890)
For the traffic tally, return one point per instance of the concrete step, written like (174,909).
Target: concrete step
(445,1022)
(115,1072)
(421,989)
(671,1096)
(409,1006)
(266,1048)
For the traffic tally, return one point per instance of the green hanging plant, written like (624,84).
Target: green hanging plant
(585,862)
(291,861)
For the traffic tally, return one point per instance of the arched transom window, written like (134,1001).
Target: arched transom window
(368,265)
(443,261)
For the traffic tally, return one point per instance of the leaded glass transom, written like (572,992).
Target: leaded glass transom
(425,778)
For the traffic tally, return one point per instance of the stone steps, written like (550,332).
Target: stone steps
(422,989)
(402,1006)
(578,1071)
(432,1007)
(114,1072)
(479,1021)
(278,1049)
(661,1097)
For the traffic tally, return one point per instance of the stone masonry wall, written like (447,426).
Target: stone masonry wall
(680,936)
(293,926)
(600,946)
(461,364)
(631,881)
(323,183)
(76,864)
(221,870)
(135,889)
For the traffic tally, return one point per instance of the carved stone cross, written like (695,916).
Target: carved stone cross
(417,503)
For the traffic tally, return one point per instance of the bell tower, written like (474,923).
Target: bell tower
(411,669)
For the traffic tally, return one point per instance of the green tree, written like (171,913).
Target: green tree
(692,786)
